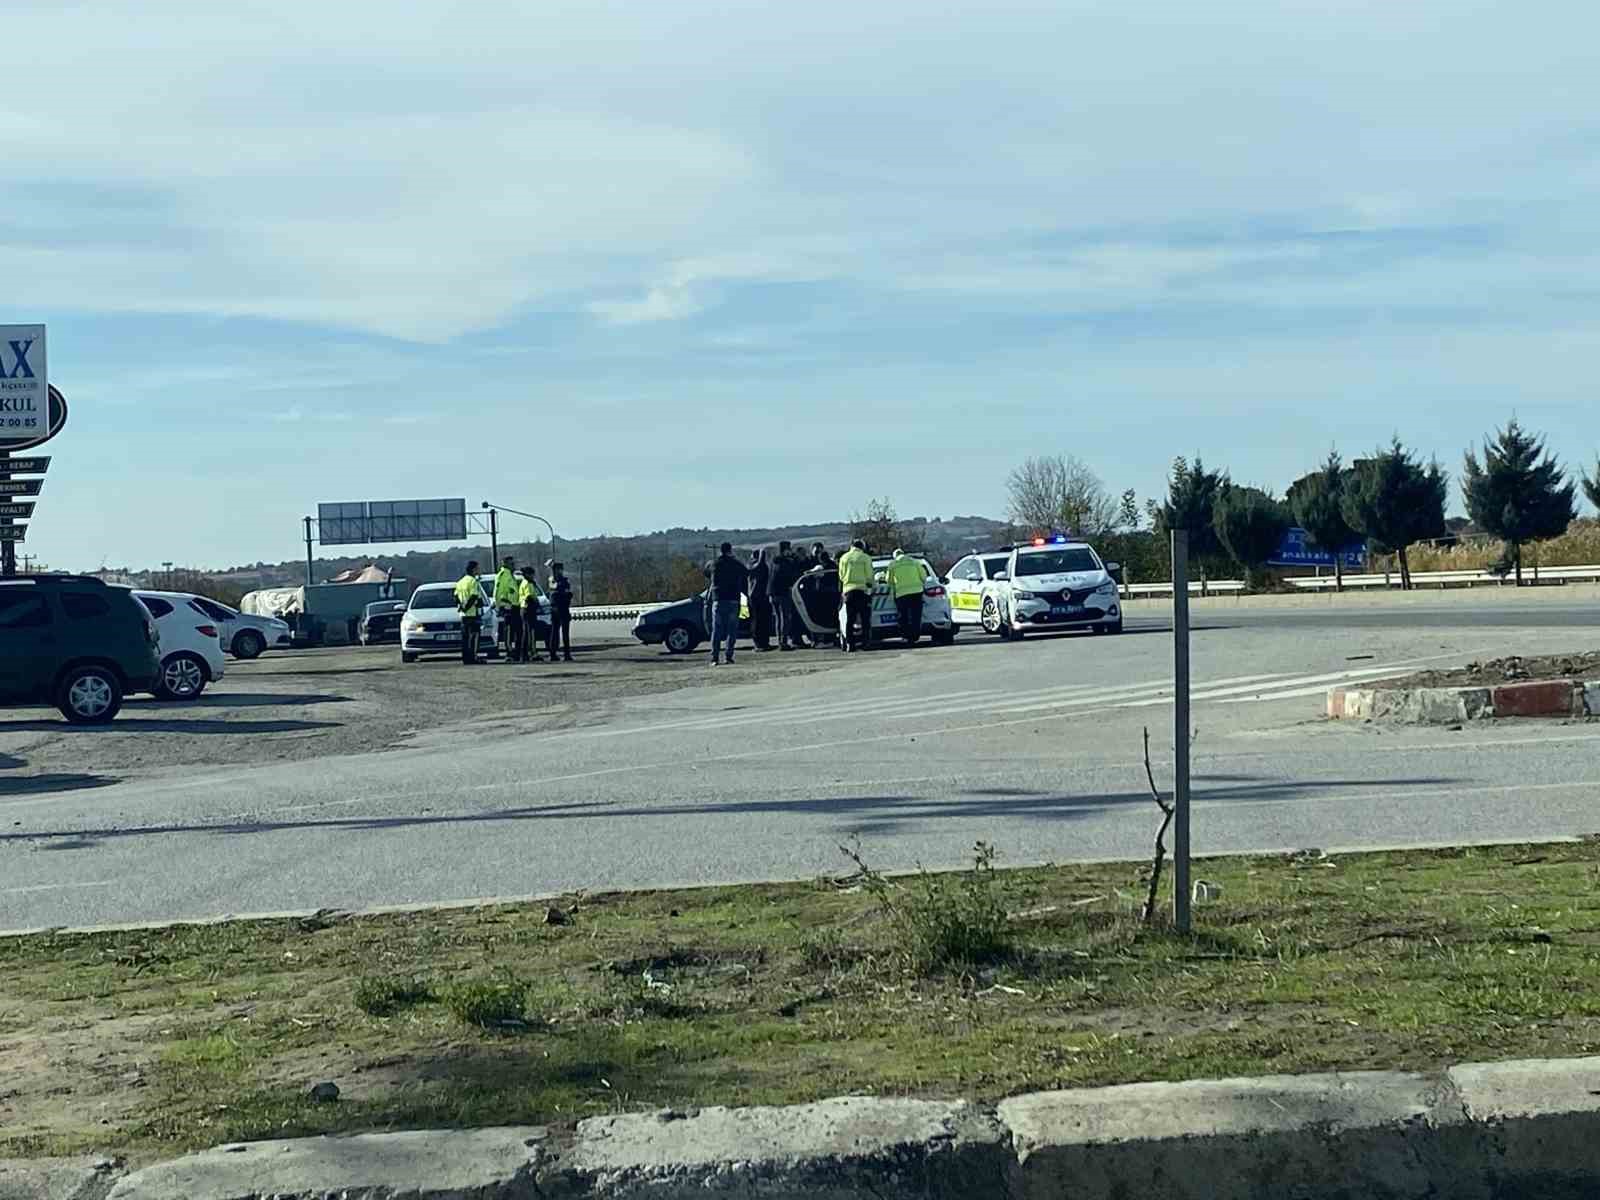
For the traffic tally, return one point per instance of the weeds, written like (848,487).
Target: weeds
(946,920)
(488,1004)
(383,996)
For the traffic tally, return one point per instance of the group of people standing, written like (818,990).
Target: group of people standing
(768,582)
(516,604)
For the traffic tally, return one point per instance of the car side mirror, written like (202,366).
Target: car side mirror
(1113,568)
(1002,575)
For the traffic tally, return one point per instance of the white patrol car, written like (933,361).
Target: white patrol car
(1051,584)
(966,581)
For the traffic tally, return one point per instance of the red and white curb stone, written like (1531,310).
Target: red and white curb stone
(1450,706)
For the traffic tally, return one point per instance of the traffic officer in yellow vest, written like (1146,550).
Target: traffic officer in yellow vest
(528,601)
(506,606)
(469,603)
(906,583)
(856,582)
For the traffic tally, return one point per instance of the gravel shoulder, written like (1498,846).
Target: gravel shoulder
(312,704)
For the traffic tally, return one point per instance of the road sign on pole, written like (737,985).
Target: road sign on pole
(13,533)
(22,510)
(18,487)
(37,465)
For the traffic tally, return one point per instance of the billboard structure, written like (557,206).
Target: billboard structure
(359,522)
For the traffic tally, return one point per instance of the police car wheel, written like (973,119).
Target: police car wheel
(990,616)
(407,657)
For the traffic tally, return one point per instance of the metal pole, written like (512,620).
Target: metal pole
(8,548)
(1180,729)
(309,571)
(494,538)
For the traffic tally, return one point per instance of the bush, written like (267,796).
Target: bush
(383,996)
(944,920)
(487,1003)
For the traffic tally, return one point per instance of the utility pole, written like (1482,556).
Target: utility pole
(494,539)
(309,572)
(1180,730)
(166,568)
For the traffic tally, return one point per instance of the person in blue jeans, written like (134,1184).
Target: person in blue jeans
(728,582)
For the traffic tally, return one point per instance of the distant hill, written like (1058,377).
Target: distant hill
(942,539)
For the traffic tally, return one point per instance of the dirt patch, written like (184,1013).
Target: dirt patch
(1576,667)
(303,705)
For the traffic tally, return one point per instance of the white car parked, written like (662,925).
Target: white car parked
(1051,584)
(822,608)
(966,581)
(191,644)
(432,624)
(244,635)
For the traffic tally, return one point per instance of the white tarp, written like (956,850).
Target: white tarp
(274,602)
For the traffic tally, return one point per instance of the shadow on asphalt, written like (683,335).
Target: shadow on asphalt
(67,781)
(255,699)
(137,724)
(859,814)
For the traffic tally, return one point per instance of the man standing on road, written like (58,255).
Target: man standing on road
(469,603)
(760,575)
(728,579)
(906,583)
(786,569)
(560,612)
(528,602)
(506,606)
(856,582)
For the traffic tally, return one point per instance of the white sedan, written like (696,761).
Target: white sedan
(245,635)
(432,624)
(191,644)
(821,606)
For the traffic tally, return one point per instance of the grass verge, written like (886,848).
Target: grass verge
(152,1043)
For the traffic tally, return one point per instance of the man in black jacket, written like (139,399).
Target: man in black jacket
(786,569)
(760,600)
(728,581)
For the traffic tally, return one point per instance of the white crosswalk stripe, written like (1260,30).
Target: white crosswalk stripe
(806,713)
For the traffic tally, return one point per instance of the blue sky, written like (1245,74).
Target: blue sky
(650,264)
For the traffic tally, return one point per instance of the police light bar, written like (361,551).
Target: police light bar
(1060,537)
(1038,541)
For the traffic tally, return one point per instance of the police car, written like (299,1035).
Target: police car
(966,581)
(821,606)
(1054,583)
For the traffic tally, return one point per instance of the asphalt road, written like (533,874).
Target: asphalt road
(1035,747)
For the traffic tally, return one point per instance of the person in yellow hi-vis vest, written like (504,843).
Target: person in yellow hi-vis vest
(856,582)
(506,606)
(906,581)
(469,603)
(528,602)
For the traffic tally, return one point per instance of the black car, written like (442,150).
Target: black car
(681,626)
(71,641)
(380,622)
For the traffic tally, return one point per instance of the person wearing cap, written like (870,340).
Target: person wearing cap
(506,606)
(469,603)
(528,604)
(905,580)
(856,582)
(560,612)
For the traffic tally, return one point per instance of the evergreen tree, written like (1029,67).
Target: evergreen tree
(1250,525)
(1393,499)
(1518,492)
(1591,487)
(1192,494)
(1317,502)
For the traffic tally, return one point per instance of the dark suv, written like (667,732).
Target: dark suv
(71,641)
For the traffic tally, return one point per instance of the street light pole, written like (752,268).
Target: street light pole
(531,516)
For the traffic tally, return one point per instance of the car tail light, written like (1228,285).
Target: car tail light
(207,630)
(933,591)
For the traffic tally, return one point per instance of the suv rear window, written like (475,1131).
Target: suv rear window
(85,606)
(158,608)
(23,608)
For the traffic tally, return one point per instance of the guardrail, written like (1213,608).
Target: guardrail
(612,612)
(1531,576)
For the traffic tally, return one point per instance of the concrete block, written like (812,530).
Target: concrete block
(483,1164)
(1358,703)
(1542,1121)
(55,1178)
(1545,698)
(1376,1134)
(830,1150)
(1477,704)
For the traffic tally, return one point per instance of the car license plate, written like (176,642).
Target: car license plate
(1065,610)
(891,618)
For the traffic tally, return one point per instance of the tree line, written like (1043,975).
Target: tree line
(1388,501)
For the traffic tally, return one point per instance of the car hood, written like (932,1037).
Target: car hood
(1076,580)
(666,613)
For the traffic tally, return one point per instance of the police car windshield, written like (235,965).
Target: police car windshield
(443,597)
(993,566)
(1057,562)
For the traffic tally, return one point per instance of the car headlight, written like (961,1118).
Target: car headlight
(1022,595)
(408,623)
(1108,588)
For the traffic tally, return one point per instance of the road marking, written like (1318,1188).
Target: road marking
(1219,693)
(54,887)
(821,709)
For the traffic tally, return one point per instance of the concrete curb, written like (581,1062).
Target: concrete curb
(1455,706)
(1474,1132)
